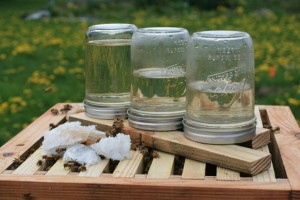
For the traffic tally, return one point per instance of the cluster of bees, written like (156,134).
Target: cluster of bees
(48,161)
(148,153)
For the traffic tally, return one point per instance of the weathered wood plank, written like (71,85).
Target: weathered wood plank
(130,167)
(193,169)
(162,167)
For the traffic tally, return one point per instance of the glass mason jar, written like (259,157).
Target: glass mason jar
(107,70)
(220,88)
(158,63)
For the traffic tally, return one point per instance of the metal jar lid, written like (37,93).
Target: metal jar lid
(105,112)
(154,123)
(220,134)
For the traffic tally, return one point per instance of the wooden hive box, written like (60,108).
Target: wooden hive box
(127,179)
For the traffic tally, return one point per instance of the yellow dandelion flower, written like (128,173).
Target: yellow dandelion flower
(239,10)
(38,77)
(2,56)
(80,61)
(3,107)
(16,125)
(76,70)
(55,42)
(59,70)
(13,108)
(23,49)
(263,68)
(293,101)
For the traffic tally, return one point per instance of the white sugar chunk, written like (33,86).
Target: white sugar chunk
(116,148)
(68,134)
(81,154)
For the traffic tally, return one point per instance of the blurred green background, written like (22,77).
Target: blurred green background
(42,60)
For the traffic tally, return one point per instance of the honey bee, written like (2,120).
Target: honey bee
(39,163)
(54,111)
(52,126)
(82,168)
(60,150)
(155,154)
(66,108)
(18,160)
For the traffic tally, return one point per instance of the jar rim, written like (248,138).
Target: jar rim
(159,30)
(112,27)
(220,34)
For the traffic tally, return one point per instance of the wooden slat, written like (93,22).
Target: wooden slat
(95,170)
(259,122)
(233,157)
(162,167)
(227,174)
(262,137)
(29,166)
(193,169)
(130,167)
(58,169)
(268,175)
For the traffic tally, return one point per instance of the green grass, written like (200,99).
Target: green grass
(35,55)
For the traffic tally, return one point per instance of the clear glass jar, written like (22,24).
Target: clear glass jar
(158,60)
(220,87)
(107,70)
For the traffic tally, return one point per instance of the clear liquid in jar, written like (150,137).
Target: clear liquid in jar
(108,72)
(158,91)
(220,102)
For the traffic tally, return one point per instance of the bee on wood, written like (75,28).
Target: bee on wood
(54,111)
(39,163)
(60,150)
(116,127)
(135,146)
(147,159)
(82,168)
(52,126)
(144,151)
(66,108)
(155,154)
(18,160)
(69,164)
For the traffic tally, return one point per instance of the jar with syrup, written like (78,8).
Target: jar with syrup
(220,88)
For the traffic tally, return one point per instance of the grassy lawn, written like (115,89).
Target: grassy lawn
(49,53)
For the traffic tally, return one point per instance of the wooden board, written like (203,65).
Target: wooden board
(232,157)
(202,184)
